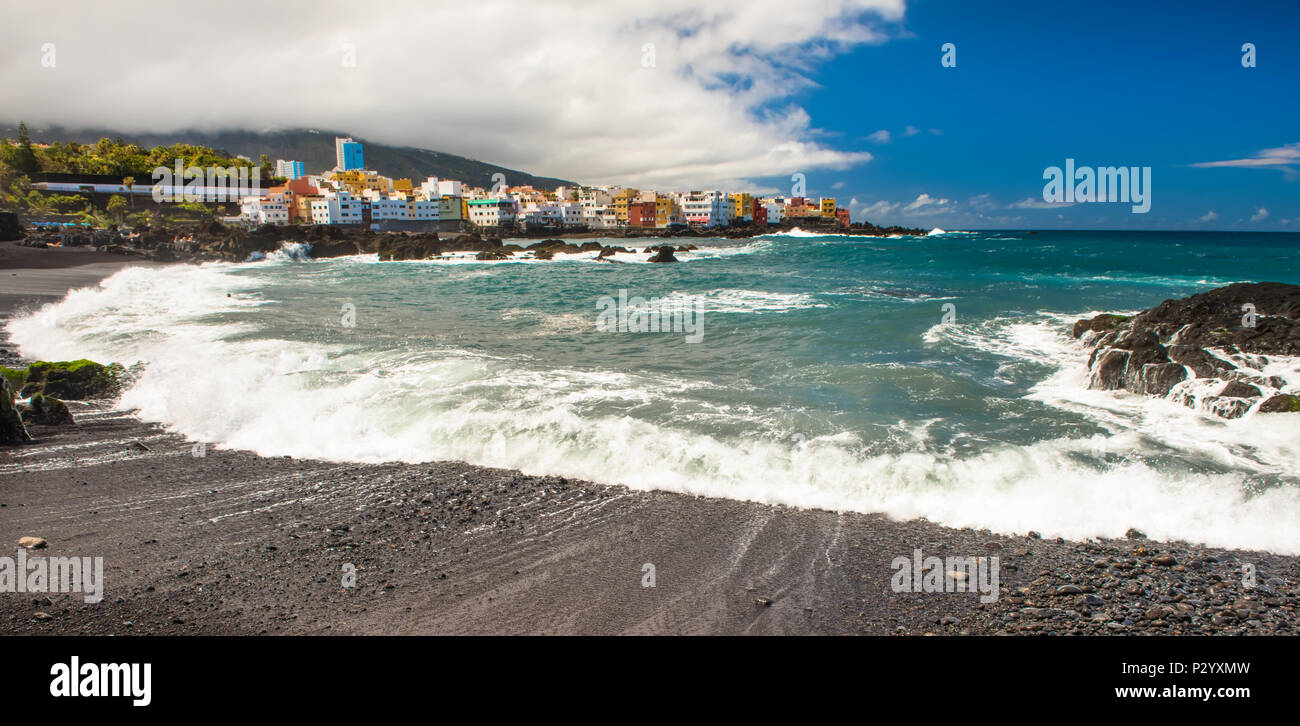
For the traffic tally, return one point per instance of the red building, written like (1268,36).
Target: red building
(759,212)
(641,214)
(842,214)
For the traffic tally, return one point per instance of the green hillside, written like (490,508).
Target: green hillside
(314,148)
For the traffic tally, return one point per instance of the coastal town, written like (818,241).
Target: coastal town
(351,194)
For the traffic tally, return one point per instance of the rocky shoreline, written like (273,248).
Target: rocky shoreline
(212,241)
(1215,351)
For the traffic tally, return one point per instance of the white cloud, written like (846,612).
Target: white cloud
(925,200)
(1209,216)
(1282,157)
(556,88)
(911,131)
(880,137)
(1260,215)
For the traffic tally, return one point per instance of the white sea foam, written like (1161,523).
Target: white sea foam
(745,301)
(209,382)
(799,233)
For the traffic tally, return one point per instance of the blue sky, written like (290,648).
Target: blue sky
(1107,83)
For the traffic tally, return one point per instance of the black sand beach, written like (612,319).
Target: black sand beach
(231,543)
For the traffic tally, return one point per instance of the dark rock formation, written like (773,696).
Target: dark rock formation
(1103,323)
(9,227)
(1199,337)
(213,241)
(609,251)
(664,254)
(12,430)
(1281,403)
(72,380)
(47,411)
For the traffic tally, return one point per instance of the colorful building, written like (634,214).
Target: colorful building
(293,192)
(742,207)
(828,207)
(641,214)
(491,212)
(348,154)
(361,180)
(621,201)
(706,209)
(290,169)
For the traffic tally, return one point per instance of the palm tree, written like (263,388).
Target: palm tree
(115,207)
(38,203)
(129,183)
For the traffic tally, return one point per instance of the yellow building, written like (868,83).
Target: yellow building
(742,207)
(828,207)
(359,180)
(667,211)
(403,185)
(621,202)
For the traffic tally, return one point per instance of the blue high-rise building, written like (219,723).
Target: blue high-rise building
(290,169)
(348,154)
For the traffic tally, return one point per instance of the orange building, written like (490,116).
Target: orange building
(298,194)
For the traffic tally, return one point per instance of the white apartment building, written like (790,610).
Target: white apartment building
(534,213)
(336,208)
(570,213)
(450,188)
(386,207)
(270,209)
(593,216)
(708,208)
(595,198)
(423,210)
(774,212)
(491,212)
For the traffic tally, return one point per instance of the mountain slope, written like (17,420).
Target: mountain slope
(315,149)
